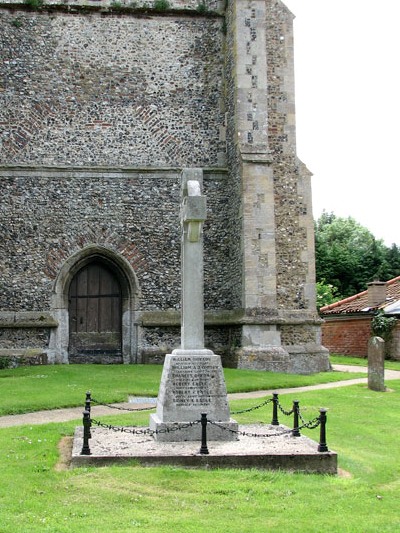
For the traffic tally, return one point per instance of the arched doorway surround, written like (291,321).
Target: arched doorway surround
(125,277)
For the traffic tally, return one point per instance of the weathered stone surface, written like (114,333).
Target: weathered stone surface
(14,357)
(376,364)
(27,319)
(279,452)
(192,385)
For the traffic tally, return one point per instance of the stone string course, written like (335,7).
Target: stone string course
(190,5)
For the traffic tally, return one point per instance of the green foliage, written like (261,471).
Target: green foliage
(34,4)
(161,5)
(391,266)
(4,362)
(202,7)
(116,5)
(382,325)
(17,23)
(348,256)
(326,294)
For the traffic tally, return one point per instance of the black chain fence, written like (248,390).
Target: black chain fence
(318,421)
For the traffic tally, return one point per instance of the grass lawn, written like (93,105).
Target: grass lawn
(363,427)
(360,361)
(28,389)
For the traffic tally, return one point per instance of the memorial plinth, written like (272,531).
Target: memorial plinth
(192,385)
(193,381)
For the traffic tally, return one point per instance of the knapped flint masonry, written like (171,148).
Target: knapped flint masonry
(100,110)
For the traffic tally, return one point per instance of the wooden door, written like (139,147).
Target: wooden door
(95,317)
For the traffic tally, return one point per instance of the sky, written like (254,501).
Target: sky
(347,77)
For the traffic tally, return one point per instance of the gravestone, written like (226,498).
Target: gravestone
(376,364)
(192,381)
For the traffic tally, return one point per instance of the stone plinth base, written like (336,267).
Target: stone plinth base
(308,359)
(192,383)
(285,452)
(288,359)
(269,358)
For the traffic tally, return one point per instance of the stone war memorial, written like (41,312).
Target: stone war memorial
(193,379)
(193,397)
(116,123)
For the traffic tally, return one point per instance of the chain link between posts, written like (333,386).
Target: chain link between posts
(144,431)
(119,408)
(252,408)
(311,424)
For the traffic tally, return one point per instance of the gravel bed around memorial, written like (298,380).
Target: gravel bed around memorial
(110,443)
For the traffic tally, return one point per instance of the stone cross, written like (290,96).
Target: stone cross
(192,382)
(193,215)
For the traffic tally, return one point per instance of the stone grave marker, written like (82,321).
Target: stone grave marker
(376,364)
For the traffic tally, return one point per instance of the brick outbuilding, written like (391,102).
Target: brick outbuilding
(347,323)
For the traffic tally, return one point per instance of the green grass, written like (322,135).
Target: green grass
(28,389)
(360,361)
(363,427)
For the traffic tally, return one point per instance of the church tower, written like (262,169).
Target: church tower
(102,107)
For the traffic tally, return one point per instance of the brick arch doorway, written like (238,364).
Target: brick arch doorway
(95,315)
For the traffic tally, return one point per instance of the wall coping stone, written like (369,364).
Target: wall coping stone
(80,171)
(177,7)
(223,317)
(21,352)
(27,319)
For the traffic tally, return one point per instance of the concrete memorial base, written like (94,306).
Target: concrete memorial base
(281,452)
(192,383)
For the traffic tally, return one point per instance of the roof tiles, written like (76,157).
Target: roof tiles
(359,302)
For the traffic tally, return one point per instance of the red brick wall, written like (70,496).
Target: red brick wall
(347,336)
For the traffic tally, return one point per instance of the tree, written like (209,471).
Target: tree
(326,294)
(348,256)
(391,267)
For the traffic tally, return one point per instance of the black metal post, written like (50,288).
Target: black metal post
(88,401)
(88,406)
(296,431)
(204,449)
(322,447)
(86,433)
(275,401)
